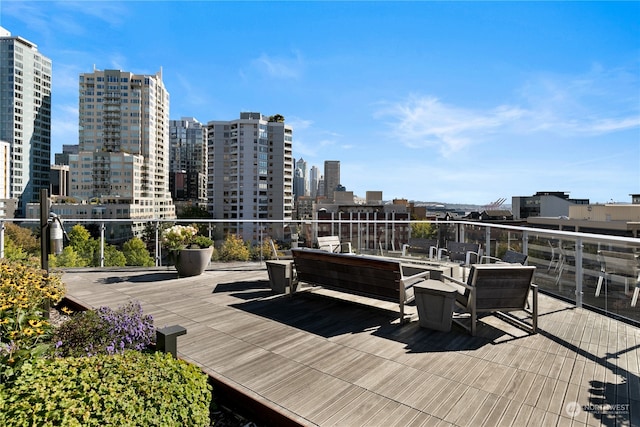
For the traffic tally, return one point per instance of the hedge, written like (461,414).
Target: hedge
(130,389)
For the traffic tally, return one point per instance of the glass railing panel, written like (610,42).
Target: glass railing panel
(597,271)
(612,277)
(554,259)
(499,240)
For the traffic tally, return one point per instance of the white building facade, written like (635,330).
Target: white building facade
(25,117)
(251,175)
(121,170)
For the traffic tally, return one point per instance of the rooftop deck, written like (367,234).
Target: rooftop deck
(327,361)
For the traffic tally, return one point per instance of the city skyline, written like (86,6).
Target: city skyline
(451,102)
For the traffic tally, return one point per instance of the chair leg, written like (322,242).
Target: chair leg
(599,286)
(474,321)
(534,314)
(634,300)
(560,269)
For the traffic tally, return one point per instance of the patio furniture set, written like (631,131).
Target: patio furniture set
(500,288)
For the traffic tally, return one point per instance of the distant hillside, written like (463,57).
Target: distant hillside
(458,206)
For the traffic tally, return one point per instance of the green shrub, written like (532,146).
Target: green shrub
(264,251)
(202,242)
(423,230)
(68,258)
(85,246)
(112,257)
(130,389)
(234,249)
(22,238)
(136,253)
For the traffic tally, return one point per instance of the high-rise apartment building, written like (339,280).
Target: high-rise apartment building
(67,150)
(188,162)
(7,204)
(331,177)
(122,165)
(251,175)
(25,117)
(314,178)
(300,182)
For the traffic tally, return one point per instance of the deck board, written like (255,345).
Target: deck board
(328,361)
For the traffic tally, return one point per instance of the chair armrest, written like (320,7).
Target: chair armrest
(456,281)
(441,252)
(477,254)
(490,258)
(348,245)
(409,281)
(404,249)
(433,252)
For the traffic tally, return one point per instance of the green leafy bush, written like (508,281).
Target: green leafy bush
(136,253)
(264,251)
(424,230)
(68,258)
(112,257)
(234,249)
(202,241)
(87,247)
(22,238)
(130,389)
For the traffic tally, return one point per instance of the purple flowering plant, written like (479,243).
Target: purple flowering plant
(105,331)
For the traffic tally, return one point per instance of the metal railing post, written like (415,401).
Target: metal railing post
(102,227)
(579,253)
(157,243)
(2,228)
(44,229)
(487,241)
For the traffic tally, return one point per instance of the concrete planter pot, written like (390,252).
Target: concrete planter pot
(192,262)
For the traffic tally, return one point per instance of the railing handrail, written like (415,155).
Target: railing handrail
(530,230)
(564,260)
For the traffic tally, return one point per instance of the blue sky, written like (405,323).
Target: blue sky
(455,102)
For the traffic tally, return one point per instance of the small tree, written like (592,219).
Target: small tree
(423,230)
(112,257)
(14,252)
(68,258)
(86,247)
(136,253)
(23,238)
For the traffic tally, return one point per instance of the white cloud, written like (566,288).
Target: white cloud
(427,122)
(586,105)
(298,123)
(65,16)
(192,93)
(113,13)
(280,67)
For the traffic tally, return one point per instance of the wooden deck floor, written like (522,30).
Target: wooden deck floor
(325,361)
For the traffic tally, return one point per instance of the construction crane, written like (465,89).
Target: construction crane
(492,206)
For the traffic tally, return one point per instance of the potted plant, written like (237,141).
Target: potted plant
(191,252)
